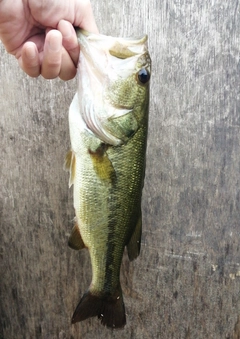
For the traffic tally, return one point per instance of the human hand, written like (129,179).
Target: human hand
(41,36)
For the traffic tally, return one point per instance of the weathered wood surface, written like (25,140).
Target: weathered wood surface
(186,282)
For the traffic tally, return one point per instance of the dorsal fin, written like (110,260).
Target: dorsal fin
(70,165)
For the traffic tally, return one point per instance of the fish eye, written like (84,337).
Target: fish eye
(143,75)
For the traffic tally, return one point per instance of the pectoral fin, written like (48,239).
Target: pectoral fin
(70,165)
(75,240)
(134,245)
(102,164)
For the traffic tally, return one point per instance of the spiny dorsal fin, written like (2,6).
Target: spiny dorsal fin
(75,240)
(70,165)
(134,245)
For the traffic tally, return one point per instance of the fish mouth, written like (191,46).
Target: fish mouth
(111,57)
(100,37)
(121,48)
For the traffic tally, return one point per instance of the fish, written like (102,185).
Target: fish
(108,124)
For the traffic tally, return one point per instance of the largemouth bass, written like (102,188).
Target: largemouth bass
(108,122)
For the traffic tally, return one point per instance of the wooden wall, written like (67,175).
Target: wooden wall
(186,282)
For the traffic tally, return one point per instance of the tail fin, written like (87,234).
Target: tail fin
(109,308)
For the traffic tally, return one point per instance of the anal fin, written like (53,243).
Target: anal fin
(134,245)
(75,240)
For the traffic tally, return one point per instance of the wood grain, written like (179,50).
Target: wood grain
(186,282)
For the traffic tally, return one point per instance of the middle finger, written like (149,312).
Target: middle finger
(52,55)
